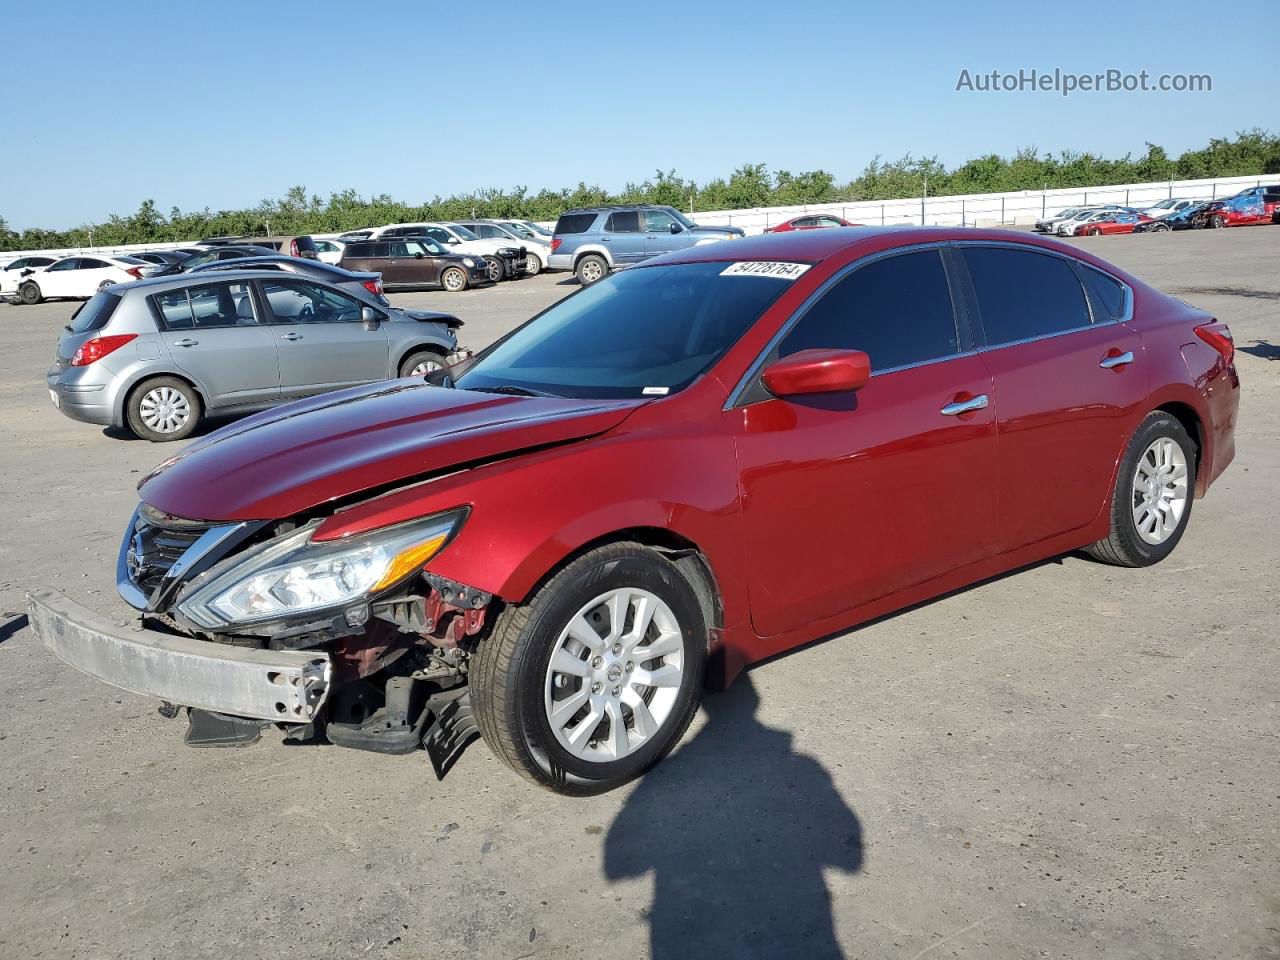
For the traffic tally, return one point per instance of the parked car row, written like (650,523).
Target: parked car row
(1255,205)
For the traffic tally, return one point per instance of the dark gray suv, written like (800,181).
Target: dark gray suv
(592,241)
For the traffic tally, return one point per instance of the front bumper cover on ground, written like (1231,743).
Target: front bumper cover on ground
(288,686)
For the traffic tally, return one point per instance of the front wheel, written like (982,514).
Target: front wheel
(493,267)
(597,677)
(1160,228)
(420,363)
(29,293)
(532,265)
(1155,488)
(454,279)
(1217,222)
(164,408)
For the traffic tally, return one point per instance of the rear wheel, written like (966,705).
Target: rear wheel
(164,408)
(1155,489)
(454,279)
(421,362)
(493,267)
(104,284)
(29,293)
(1217,221)
(597,677)
(591,268)
(1160,228)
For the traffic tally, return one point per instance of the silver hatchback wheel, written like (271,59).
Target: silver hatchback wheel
(614,675)
(164,409)
(1160,490)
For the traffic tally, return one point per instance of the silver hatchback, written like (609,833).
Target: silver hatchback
(158,355)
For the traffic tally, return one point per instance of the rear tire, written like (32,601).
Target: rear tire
(617,725)
(591,269)
(1217,222)
(30,294)
(422,362)
(454,279)
(1151,504)
(1160,228)
(163,409)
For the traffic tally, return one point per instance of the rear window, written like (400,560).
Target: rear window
(575,222)
(95,314)
(1108,292)
(1023,295)
(304,245)
(365,250)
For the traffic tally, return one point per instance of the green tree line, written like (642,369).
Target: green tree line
(1252,153)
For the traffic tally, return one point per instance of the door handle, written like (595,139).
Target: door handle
(187,342)
(291,336)
(1119,360)
(965,406)
(605,239)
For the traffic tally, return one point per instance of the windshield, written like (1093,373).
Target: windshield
(538,230)
(463,232)
(646,331)
(682,218)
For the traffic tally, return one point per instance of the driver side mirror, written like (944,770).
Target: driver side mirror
(453,241)
(676,228)
(818,371)
(417,255)
(370,318)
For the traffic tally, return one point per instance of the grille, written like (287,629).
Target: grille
(157,544)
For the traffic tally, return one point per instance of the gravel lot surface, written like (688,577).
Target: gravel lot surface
(1073,760)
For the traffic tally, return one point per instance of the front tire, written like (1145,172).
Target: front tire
(454,279)
(597,677)
(421,362)
(30,294)
(164,409)
(1155,489)
(1217,222)
(591,269)
(532,265)
(494,268)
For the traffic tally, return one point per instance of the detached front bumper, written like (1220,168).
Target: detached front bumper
(288,686)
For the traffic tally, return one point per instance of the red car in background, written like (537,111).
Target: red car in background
(694,464)
(1120,223)
(812,221)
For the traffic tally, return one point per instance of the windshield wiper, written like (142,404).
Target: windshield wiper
(513,391)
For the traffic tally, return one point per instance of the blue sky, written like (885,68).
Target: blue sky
(221,105)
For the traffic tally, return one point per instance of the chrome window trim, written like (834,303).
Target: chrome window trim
(753,371)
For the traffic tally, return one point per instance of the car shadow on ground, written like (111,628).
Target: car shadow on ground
(10,627)
(207,425)
(737,828)
(1262,349)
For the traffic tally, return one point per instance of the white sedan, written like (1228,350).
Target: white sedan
(329,250)
(81,277)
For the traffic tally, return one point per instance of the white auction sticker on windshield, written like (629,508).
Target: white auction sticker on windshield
(765,268)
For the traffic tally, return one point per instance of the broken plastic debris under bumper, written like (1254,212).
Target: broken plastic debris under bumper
(285,685)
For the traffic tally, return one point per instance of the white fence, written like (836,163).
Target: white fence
(972,210)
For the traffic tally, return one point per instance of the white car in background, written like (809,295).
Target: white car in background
(1070,226)
(1050,224)
(537,249)
(1167,208)
(12,272)
(329,251)
(80,277)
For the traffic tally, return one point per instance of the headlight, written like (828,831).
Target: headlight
(468,262)
(291,575)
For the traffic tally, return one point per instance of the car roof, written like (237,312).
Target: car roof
(606,207)
(317,265)
(152,284)
(814,246)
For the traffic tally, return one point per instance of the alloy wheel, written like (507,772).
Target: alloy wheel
(423,367)
(614,675)
(165,410)
(1160,490)
(454,280)
(592,271)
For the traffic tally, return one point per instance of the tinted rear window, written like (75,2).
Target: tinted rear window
(575,222)
(1108,293)
(1023,294)
(95,314)
(365,250)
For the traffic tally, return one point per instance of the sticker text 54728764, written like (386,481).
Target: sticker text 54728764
(765,268)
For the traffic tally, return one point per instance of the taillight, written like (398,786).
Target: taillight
(293,248)
(374,286)
(135,272)
(555,243)
(99,347)
(1218,336)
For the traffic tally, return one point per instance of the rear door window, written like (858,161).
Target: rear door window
(897,310)
(575,222)
(206,307)
(623,222)
(1024,295)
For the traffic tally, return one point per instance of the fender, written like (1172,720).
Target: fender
(597,248)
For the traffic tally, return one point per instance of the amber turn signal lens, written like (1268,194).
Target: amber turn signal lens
(409,560)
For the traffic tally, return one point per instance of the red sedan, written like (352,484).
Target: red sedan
(694,464)
(1120,223)
(811,221)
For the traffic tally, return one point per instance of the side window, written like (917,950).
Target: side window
(438,235)
(207,307)
(397,248)
(804,222)
(1023,295)
(658,221)
(296,301)
(1108,293)
(898,310)
(88,263)
(623,222)
(489,232)
(71,263)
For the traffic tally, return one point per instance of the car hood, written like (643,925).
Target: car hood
(725,228)
(302,455)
